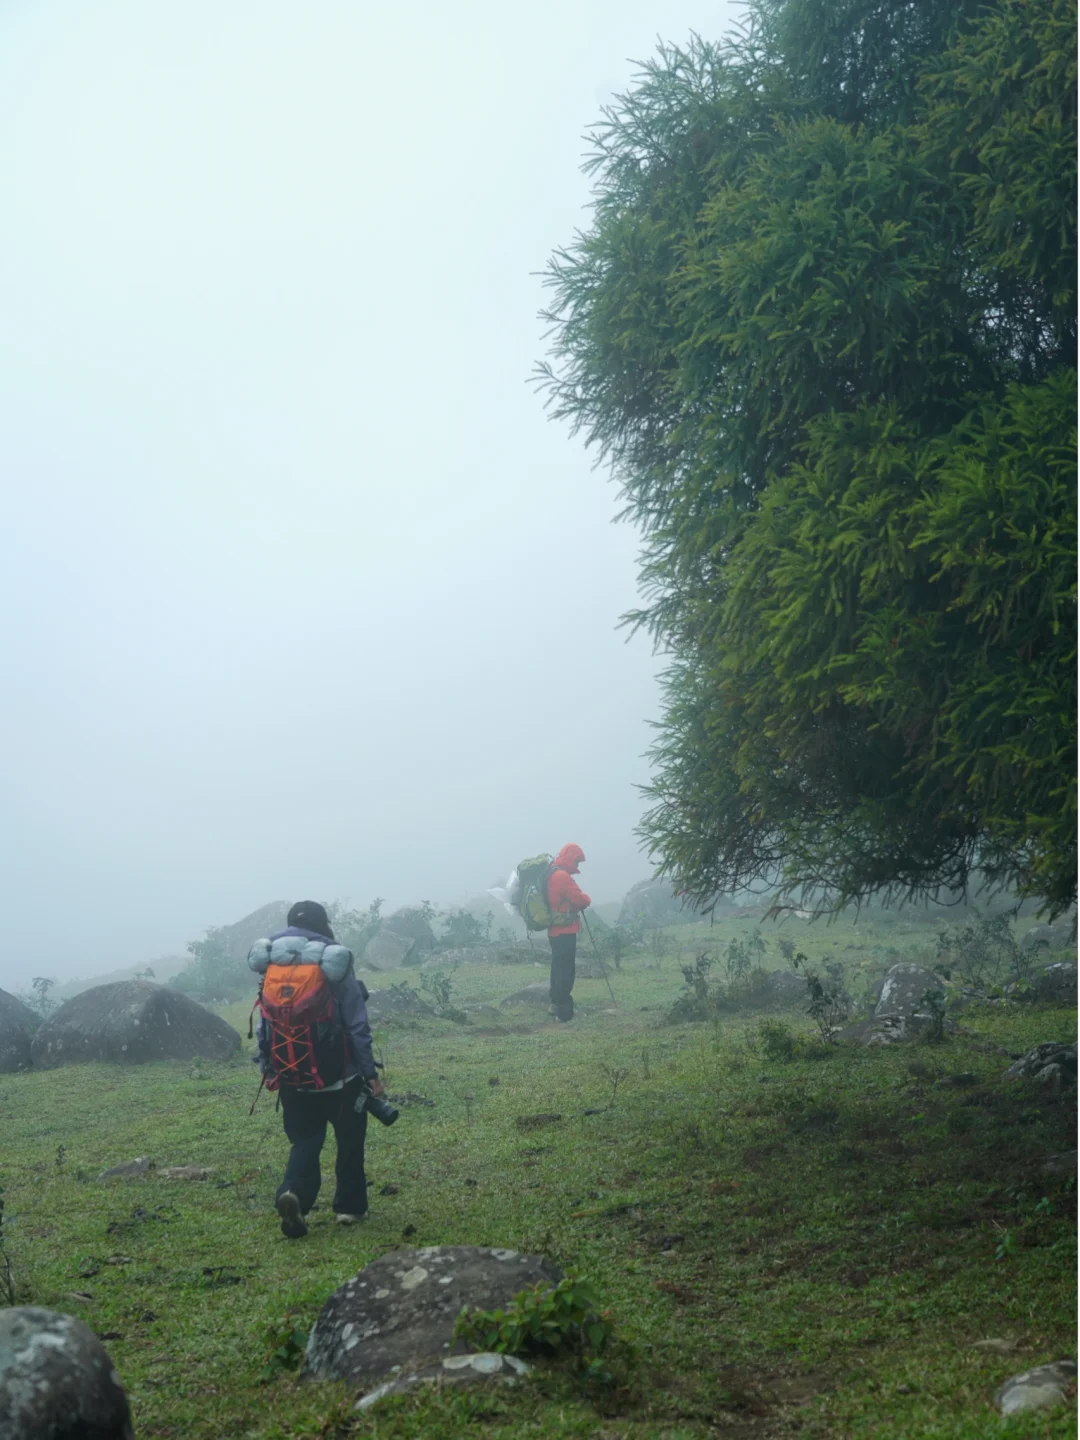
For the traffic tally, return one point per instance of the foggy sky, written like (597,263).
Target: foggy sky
(303,594)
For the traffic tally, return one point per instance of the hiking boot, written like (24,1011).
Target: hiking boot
(344,1219)
(292,1222)
(564,1015)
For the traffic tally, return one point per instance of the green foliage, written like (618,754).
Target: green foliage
(934,1003)
(354,928)
(983,952)
(212,973)
(7,1279)
(285,1344)
(546,1320)
(828,1001)
(776,1041)
(39,999)
(438,986)
(697,1000)
(461,929)
(823,325)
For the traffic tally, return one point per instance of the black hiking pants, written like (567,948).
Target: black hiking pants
(306,1115)
(563,955)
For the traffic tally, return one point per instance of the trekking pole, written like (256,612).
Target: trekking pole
(603,967)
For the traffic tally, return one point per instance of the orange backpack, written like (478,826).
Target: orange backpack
(303,1043)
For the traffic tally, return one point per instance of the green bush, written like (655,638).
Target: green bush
(546,1320)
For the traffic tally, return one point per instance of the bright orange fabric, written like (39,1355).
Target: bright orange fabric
(564,894)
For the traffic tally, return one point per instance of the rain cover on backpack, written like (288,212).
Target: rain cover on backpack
(303,1044)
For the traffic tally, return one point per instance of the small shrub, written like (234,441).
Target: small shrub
(438,985)
(462,929)
(546,1320)
(285,1342)
(696,1001)
(776,1041)
(984,952)
(934,1001)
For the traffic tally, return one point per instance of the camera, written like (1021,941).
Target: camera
(375,1105)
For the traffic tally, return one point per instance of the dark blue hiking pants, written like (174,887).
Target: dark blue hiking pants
(306,1115)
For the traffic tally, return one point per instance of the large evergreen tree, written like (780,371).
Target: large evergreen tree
(823,326)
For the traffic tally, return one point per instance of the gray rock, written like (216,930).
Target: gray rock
(539,994)
(130,1023)
(387,950)
(140,1166)
(454,1370)
(400,1309)
(399,1000)
(1053,1062)
(467,955)
(903,989)
(57,1381)
(1036,1389)
(411,923)
(17,1025)
(1057,982)
(1049,937)
(592,970)
(786,987)
(889,1030)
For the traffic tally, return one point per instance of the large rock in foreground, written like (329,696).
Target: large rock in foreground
(130,1023)
(17,1025)
(57,1381)
(400,1309)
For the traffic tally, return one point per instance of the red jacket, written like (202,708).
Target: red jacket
(563,892)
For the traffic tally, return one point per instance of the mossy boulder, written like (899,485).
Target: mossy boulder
(130,1023)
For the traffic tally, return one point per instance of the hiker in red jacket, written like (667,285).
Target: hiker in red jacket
(565,897)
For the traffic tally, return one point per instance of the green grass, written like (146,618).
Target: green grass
(808,1247)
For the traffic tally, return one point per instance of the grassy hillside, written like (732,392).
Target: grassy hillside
(812,1246)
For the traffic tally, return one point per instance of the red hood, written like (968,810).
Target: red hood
(569,858)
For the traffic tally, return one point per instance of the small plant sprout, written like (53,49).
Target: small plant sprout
(285,1341)
(616,1077)
(61,1156)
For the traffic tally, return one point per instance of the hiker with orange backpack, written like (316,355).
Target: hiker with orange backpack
(566,900)
(315,1051)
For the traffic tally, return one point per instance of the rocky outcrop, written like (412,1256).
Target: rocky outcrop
(400,1309)
(1057,983)
(57,1381)
(1053,1063)
(239,937)
(130,1023)
(1049,937)
(17,1025)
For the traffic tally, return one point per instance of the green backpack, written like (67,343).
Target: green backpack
(532,899)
